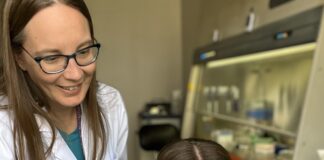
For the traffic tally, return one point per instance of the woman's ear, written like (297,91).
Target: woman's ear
(20,61)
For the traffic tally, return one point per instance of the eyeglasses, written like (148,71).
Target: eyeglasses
(57,63)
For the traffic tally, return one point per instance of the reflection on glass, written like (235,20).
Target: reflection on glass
(257,96)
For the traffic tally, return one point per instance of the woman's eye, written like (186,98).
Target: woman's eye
(51,59)
(84,51)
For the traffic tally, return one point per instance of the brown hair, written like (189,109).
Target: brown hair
(193,149)
(24,97)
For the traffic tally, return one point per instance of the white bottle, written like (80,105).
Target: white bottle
(176,102)
(250,21)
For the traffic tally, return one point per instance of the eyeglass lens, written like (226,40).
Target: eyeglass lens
(58,63)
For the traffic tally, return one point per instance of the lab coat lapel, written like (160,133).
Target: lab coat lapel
(60,150)
(85,135)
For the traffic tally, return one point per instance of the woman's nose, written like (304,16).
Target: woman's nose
(73,70)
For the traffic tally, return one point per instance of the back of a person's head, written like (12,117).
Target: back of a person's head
(193,149)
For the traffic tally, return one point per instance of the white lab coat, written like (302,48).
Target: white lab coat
(117,128)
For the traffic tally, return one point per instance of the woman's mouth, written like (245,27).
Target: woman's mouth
(70,88)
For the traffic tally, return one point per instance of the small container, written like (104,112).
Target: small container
(260,111)
(285,154)
(243,151)
(176,102)
(264,148)
(225,137)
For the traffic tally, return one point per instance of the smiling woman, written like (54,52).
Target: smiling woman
(52,107)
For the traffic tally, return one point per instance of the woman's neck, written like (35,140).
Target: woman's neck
(65,118)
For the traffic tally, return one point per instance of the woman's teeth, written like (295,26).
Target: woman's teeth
(70,88)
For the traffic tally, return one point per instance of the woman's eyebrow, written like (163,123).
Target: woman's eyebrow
(85,44)
(58,52)
(43,52)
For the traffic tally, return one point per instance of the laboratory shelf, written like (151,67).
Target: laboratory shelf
(249,123)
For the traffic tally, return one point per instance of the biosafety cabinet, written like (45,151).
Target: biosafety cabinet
(261,94)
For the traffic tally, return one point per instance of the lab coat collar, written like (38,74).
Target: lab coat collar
(60,150)
(86,140)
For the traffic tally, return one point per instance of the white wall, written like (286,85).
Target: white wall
(141,52)
(230,16)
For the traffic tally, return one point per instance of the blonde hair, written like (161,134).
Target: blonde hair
(24,97)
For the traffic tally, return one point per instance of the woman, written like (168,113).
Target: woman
(193,149)
(51,104)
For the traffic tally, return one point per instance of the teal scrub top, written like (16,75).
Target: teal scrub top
(73,140)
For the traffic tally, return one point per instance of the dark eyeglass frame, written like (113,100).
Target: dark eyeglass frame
(67,58)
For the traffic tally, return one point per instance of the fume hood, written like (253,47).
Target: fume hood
(260,94)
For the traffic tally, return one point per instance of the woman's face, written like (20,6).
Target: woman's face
(58,29)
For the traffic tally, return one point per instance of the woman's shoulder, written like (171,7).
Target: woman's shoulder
(6,135)
(4,112)
(109,97)
(3,100)
(5,118)
(104,89)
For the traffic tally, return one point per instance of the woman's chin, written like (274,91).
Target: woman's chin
(70,102)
